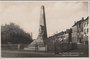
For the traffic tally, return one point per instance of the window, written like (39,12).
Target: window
(84,24)
(84,31)
(87,30)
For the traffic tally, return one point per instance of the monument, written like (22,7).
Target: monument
(42,30)
(41,42)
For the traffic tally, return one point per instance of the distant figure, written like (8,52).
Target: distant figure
(56,46)
(36,47)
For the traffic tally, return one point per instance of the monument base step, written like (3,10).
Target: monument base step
(36,49)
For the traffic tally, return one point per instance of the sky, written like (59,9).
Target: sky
(59,15)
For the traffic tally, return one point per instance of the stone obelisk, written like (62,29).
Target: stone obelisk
(42,30)
(41,40)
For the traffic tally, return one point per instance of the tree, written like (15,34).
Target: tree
(15,35)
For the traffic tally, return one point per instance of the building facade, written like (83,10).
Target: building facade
(85,30)
(74,34)
(80,31)
(59,38)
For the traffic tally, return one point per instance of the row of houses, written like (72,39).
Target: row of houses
(78,33)
(62,37)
